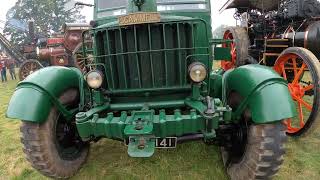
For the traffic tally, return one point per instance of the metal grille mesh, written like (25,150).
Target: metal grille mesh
(146,56)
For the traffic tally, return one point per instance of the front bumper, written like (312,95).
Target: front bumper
(150,123)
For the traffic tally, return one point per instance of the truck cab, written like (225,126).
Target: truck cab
(176,34)
(109,11)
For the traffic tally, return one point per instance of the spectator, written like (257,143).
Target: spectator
(11,66)
(3,70)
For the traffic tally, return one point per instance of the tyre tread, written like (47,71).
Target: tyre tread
(36,151)
(40,148)
(263,157)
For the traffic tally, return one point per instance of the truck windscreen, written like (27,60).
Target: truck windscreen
(192,4)
(109,4)
(111,8)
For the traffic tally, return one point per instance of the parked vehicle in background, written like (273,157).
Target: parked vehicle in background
(283,34)
(62,50)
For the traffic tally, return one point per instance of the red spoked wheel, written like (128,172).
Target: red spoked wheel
(28,67)
(229,64)
(301,69)
(238,47)
(80,61)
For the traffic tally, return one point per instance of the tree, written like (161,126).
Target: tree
(48,16)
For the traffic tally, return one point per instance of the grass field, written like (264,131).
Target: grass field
(109,159)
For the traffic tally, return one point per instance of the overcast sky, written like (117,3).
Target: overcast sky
(217,19)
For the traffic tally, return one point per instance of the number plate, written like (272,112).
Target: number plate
(138,18)
(169,142)
(164,143)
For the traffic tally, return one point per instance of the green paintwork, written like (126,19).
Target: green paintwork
(160,125)
(221,53)
(198,13)
(141,146)
(263,91)
(180,33)
(34,97)
(147,91)
(145,6)
(98,98)
(216,83)
(163,125)
(123,62)
(141,123)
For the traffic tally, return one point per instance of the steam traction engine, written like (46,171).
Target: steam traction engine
(59,50)
(285,35)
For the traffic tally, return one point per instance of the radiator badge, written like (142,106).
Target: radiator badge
(139,18)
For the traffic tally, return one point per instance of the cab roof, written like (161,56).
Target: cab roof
(267,5)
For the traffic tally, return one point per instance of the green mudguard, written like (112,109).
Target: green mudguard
(263,91)
(34,97)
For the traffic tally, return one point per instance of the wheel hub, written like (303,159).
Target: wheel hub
(68,142)
(296,90)
(234,139)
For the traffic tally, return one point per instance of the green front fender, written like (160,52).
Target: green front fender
(34,97)
(263,92)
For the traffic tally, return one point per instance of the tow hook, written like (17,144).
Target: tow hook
(210,110)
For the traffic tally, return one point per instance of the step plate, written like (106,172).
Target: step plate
(141,146)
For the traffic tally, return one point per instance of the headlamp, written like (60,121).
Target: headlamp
(197,72)
(94,79)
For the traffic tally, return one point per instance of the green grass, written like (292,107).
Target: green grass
(109,159)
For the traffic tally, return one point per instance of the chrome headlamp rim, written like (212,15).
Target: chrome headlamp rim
(202,70)
(95,86)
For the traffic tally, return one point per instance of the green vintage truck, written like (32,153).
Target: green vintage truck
(152,86)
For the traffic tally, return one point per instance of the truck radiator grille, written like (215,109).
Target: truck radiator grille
(146,56)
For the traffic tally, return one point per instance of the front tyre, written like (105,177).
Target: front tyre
(54,147)
(257,153)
